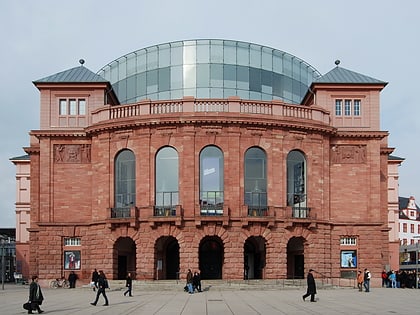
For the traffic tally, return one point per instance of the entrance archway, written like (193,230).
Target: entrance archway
(167,258)
(125,256)
(254,257)
(295,258)
(211,258)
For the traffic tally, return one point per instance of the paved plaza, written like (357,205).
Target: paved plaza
(213,301)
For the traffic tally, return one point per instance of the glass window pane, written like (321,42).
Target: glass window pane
(164,79)
(141,61)
(216,75)
(125,179)
(82,107)
(203,53)
(189,57)
(72,107)
(152,81)
(176,77)
(152,58)
(131,64)
(189,76)
(296,179)
(203,75)
(63,107)
(176,55)
(164,56)
(229,76)
(211,175)
(229,53)
(141,85)
(267,59)
(243,55)
(216,53)
(255,56)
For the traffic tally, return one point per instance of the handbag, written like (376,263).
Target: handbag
(27,306)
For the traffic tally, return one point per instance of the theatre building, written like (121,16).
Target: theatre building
(234,159)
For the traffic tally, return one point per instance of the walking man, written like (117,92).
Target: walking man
(366,280)
(311,291)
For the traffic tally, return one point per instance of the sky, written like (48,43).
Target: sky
(378,38)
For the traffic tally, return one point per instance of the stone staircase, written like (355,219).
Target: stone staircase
(220,285)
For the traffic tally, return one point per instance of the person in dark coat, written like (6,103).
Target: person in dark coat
(95,276)
(102,285)
(72,279)
(128,284)
(311,291)
(35,296)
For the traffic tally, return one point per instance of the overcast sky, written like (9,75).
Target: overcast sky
(380,39)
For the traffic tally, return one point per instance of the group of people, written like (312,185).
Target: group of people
(363,280)
(399,279)
(193,282)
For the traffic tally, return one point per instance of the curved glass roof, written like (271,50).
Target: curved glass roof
(211,68)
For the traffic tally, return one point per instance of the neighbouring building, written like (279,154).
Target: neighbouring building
(235,159)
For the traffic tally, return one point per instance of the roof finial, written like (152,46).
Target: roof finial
(81,61)
(337,62)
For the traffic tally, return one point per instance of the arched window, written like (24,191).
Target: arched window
(255,172)
(296,183)
(125,183)
(166,182)
(211,181)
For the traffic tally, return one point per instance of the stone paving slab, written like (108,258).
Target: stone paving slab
(217,302)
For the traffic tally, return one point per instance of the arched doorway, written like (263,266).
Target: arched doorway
(254,257)
(295,258)
(167,258)
(211,258)
(125,254)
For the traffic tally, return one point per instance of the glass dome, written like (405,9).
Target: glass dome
(209,69)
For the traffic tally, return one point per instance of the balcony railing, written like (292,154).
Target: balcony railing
(122,212)
(166,202)
(257,203)
(164,211)
(231,105)
(300,212)
(211,203)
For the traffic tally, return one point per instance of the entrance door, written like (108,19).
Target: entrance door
(211,258)
(254,258)
(295,258)
(125,255)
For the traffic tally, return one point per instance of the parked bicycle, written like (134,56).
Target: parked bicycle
(59,283)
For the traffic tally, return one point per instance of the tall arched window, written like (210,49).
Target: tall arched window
(166,182)
(125,183)
(255,172)
(296,183)
(211,181)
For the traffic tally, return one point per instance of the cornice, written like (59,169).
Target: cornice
(362,134)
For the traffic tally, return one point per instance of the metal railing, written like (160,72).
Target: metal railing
(257,203)
(211,203)
(121,212)
(166,202)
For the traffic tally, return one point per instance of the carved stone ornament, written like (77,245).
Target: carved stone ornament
(72,153)
(348,154)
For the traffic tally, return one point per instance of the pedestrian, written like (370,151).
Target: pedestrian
(35,296)
(393,278)
(95,276)
(385,278)
(366,280)
(72,279)
(311,291)
(128,284)
(102,285)
(360,281)
(196,282)
(190,282)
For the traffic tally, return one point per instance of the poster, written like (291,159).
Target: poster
(348,259)
(72,260)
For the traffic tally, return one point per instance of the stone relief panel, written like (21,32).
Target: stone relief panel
(348,154)
(72,153)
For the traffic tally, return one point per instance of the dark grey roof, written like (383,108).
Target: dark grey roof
(395,158)
(403,203)
(341,75)
(79,74)
(20,158)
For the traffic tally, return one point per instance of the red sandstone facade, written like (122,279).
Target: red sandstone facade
(73,176)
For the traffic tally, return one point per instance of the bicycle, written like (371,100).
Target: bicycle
(59,283)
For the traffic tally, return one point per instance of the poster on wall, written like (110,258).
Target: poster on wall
(72,260)
(348,259)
